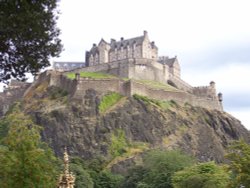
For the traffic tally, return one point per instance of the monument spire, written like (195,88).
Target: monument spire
(67,179)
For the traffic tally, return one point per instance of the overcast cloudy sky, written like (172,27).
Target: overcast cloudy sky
(211,38)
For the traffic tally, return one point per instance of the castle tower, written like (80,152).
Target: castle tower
(67,179)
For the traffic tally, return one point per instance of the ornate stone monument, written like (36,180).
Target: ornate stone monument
(67,179)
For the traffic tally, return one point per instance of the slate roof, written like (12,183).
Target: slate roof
(168,61)
(127,42)
(67,65)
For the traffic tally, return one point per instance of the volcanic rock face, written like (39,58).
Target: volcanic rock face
(87,133)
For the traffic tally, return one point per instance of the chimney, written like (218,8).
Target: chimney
(122,38)
(145,33)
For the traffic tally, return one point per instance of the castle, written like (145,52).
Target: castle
(136,60)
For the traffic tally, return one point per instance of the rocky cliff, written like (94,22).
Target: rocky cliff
(87,132)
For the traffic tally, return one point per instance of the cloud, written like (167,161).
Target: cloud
(243,115)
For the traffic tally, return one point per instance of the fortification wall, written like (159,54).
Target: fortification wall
(180,97)
(78,87)
(181,84)
(10,96)
(205,91)
(102,86)
(60,80)
(145,69)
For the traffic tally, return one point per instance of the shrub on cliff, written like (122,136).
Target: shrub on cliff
(109,100)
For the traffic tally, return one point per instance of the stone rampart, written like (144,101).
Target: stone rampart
(102,86)
(11,95)
(78,87)
(178,96)
(205,91)
(181,84)
(140,68)
(60,80)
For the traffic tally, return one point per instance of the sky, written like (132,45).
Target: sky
(211,38)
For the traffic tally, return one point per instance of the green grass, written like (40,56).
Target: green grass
(163,104)
(97,75)
(108,101)
(158,85)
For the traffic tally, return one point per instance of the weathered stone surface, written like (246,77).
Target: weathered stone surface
(87,133)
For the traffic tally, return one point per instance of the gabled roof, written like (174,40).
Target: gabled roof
(128,42)
(168,61)
(102,41)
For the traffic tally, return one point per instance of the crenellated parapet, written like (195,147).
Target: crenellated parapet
(206,91)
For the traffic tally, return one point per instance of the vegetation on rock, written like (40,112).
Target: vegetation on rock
(108,101)
(163,104)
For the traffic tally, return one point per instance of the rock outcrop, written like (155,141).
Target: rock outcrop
(80,126)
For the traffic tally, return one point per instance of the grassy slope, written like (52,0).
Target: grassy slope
(97,75)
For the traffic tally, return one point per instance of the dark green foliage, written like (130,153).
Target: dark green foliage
(136,175)
(25,161)
(28,37)
(203,175)
(57,92)
(106,179)
(239,164)
(83,179)
(158,169)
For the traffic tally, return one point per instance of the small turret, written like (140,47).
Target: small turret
(220,97)
(212,84)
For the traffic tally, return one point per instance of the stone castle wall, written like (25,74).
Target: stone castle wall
(178,96)
(102,86)
(11,95)
(78,87)
(144,69)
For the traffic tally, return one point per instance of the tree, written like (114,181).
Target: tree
(106,179)
(239,164)
(83,178)
(202,175)
(25,161)
(157,169)
(28,37)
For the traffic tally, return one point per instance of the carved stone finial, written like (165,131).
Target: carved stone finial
(67,179)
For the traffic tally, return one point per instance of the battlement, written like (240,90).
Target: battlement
(77,88)
(135,59)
